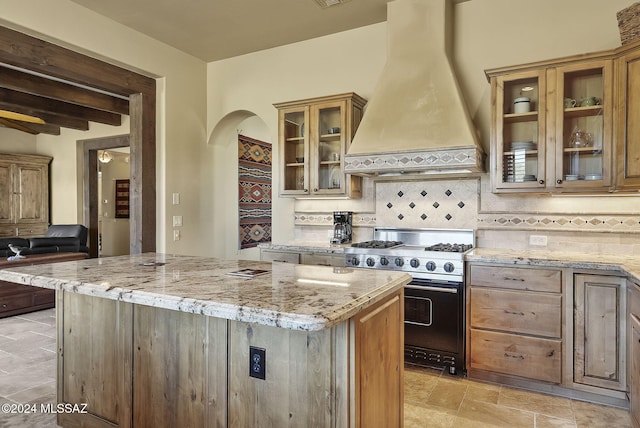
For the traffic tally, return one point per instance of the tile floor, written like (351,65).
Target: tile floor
(432,399)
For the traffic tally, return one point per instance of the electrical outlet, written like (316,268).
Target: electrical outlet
(329,233)
(176,234)
(177,221)
(538,240)
(257,362)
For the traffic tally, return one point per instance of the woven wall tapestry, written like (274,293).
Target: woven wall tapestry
(254,203)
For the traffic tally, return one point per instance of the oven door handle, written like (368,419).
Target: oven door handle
(429,288)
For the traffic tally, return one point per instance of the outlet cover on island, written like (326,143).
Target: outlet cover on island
(538,240)
(176,234)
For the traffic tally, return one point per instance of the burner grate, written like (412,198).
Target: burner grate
(449,248)
(377,244)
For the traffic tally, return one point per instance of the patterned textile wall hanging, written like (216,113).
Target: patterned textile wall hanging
(254,186)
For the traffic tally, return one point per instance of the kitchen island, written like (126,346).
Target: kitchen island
(161,340)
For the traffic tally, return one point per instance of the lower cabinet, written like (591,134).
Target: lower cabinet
(599,331)
(515,322)
(302,257)
(634,352)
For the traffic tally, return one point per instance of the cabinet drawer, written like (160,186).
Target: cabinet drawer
(549,280)
(17,302)
(539,314)
(528,357)
(279,256)
(43,297)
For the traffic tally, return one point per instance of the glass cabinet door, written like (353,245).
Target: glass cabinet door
(583,125)
(295,150)
(327,175)
(520,140)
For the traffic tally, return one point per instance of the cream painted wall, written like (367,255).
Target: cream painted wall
(181,120)
(344,62)
(12,141)
(114,231)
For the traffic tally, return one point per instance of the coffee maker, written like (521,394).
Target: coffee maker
(342,222)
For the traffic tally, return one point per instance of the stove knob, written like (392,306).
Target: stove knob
(448,267)
(355,261)
(399,262)
(414,263)
(431,266)
(370,262)
(384,261)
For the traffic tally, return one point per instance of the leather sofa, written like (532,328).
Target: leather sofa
(59,238)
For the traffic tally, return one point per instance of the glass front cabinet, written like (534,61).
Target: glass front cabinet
(552,127)
(314,135)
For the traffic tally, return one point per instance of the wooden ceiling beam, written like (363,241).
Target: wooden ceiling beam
(43,128)
(41,86)
(49,117)
(60,108)
(24,51)
(17,126)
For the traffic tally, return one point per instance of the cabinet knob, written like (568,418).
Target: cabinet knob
(558,181)
(315,190)
(306,191)
(541,181)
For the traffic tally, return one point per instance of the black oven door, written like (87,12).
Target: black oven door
(434,324)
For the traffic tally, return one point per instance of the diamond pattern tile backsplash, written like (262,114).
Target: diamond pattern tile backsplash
(425,204)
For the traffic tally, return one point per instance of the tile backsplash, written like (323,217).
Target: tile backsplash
(591,224)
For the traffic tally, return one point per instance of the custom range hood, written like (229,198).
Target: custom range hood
(416,121)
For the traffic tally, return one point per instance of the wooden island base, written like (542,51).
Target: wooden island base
(142,366)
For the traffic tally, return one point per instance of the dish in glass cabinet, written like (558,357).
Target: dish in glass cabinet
(334,178)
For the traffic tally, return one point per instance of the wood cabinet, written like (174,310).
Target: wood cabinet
(564,141)
(634,352)
(600,331)
(302,257)
(24,195)
(578,132)
(515,322)
(314,135)
(142,366)
(627,125)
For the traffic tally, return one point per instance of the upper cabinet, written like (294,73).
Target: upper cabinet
(562,125)
(314,135)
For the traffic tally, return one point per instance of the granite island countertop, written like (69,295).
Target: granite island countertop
(626,265)
(291,296)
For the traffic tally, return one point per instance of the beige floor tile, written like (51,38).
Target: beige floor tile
(543,421)
(447,395)
(477,414)
(420,417)
(484,392)
(557,407)
(418,385)
(592,415)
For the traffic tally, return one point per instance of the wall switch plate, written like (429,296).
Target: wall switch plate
(257,362)
(176,235)
(177,220)
(176,199)
(538,240)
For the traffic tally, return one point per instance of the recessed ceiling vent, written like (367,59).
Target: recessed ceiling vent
(327,3)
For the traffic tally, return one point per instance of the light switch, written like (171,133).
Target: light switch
(176,199)
(177,220)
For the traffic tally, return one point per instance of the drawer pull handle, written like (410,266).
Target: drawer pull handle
(506,278)
(520,357)
(513,313)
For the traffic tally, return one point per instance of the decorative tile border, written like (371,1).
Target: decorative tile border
(326,219)
(463,158)
(564,222)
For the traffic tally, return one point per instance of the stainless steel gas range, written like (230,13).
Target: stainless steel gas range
(434,299)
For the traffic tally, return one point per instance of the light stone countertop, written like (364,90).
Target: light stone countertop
(292,296)
(307,247)
(624,265)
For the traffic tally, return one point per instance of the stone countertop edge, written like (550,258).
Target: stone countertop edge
(306,246)
(628,265)
(317,316)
